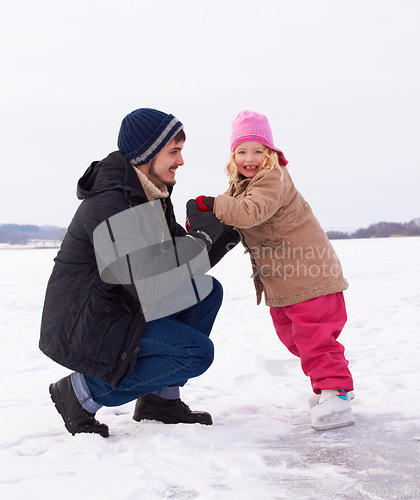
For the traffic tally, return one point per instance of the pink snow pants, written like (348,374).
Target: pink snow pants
(310,330)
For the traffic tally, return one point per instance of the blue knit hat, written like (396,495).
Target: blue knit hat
(145,132)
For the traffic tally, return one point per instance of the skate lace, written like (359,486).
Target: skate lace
(343,395)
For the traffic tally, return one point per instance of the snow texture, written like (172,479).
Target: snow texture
(261,444)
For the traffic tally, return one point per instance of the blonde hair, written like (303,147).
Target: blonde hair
(270,161)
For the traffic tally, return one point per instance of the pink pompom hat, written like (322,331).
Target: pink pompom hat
(251,126)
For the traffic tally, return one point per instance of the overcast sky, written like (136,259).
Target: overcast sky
(338,80)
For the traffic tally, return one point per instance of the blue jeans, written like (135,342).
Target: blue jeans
(172,350)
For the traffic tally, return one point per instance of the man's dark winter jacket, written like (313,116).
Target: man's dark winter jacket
(88,325)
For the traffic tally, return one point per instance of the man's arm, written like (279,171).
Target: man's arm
(224,243)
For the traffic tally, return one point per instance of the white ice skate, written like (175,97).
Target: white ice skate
(333,410)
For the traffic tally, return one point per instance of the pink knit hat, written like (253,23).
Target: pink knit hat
(251,126)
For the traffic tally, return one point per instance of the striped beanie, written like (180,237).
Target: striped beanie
(144,133)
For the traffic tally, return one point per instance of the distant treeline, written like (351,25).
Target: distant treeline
(380,230)
(20,234)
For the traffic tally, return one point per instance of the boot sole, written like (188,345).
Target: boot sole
(59,406)
(167,420)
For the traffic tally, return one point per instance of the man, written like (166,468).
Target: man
(128,306)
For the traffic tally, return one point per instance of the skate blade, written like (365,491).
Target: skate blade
(332,426)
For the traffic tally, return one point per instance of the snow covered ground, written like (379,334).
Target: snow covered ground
(260,445)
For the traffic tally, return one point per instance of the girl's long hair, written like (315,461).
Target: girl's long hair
(270,161)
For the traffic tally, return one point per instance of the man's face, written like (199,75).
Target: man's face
(161,170)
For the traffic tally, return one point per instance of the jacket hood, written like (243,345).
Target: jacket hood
(113,172)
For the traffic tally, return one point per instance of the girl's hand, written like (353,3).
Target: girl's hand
(205,203)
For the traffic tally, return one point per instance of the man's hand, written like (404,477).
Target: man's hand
(204,224)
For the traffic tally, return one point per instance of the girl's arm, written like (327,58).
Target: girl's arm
(263,198)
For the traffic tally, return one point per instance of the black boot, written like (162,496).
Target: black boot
(76,418)
(168,411)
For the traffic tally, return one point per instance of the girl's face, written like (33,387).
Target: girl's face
(249,158)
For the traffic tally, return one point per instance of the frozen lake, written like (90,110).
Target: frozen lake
(260,445)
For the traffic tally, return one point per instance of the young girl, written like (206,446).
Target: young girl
(293,263)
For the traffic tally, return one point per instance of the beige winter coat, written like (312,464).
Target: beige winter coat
(291,256)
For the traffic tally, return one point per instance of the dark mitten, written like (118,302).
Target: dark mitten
(203,224)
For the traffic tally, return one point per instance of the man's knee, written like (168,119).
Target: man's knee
(218,291)
(204,353)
